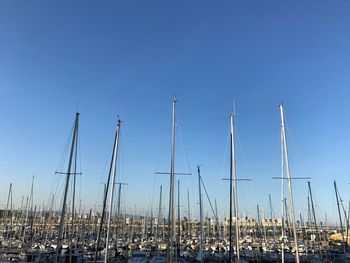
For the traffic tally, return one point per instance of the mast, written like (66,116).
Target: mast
(313,213)
(200,254)
(18,217)
(309,211)
(282,199)
(302,226)
(258,223)
(118,217)
(178,218)
(347,224)
(171,219)
(115,154)
(64,203)
(189,212)
(340,219)
(9,211)
(31,223)
(73,197)
(258,213)
(9,196)
(289,185)
(151,223)
(29,203)
(217,221)
(159,213)
(272,217)
(116,138)
(234,171)
(231,194)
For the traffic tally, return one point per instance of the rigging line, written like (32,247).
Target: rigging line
(53,185)
(245,163)
(80,166)
(189,179)
(122,167)
(316,206)
(101,182)
(162,151)
(59,189)
(297,154)
(155,179)
(64,154)
(223,187)
(242,153)
(225,156)
(124,200)
(206,192)
(182,147)
(277,144)
(61,163)
(80,175)
(341,201)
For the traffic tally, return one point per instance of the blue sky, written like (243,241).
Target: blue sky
(129,58)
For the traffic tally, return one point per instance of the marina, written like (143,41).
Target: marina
(174,131)
(29,235)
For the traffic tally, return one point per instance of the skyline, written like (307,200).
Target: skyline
(129,60)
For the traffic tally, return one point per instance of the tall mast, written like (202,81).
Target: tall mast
(178,218)
(217,221)
(282,199)
(189,212)
(29,204)
(151,223)
(287,215)
(8,199)
(64,203)
(313,212)
(9,211)
(159,213)
(116,138)
(272,217)
(115,154)
(289,184)
(171,219)
(312,205)
(73,198)
(231,194)
(340,219)
(309,211)
(234,171)
(347,224)
(302,226)
(258,212)
(119,218)
(200,255)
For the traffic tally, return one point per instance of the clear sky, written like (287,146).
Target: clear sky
(129,58)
